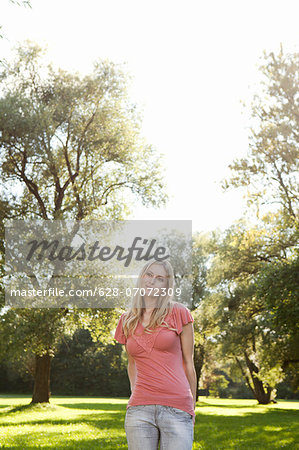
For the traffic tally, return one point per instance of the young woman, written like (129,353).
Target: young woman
(159,339)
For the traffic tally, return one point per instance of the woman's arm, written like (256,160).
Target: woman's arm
(187,343)
(131,370)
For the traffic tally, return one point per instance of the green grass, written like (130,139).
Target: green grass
(98,423)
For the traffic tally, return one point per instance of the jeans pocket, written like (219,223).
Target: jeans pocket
(178,412)
(133,414)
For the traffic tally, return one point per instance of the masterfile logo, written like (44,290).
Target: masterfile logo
(53,251)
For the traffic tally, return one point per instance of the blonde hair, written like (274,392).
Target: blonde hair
(165,302)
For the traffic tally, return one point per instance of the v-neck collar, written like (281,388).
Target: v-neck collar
(147,340)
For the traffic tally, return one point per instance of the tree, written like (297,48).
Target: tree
(236,310)
(199,291)
(74,143)
(72,146)
(277,286)
(250,326)
(269,172)
(247,330)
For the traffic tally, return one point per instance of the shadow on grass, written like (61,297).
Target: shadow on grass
(93,406)
(20,408)
(257,407)
(50,407)
(31,407)
(228,406)
(99,421)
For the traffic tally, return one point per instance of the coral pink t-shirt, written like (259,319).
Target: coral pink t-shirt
(160,377)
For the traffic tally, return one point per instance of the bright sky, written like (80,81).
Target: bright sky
(192,62)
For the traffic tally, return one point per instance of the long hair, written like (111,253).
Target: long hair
(164,304)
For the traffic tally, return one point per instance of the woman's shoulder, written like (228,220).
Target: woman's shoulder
(177,309)
(182,316)
(176,306)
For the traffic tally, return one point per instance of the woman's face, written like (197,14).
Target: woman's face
(155,280)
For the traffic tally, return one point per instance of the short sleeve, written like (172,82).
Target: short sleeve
(119,334)
(182,317)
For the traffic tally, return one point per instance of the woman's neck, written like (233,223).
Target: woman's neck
(149,305)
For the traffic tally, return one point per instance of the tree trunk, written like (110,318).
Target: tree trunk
(198,363)
(41,390)
(245,376)
(263,396)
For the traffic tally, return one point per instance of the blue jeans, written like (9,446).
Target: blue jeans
(145,425)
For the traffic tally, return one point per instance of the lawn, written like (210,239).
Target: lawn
(98,423)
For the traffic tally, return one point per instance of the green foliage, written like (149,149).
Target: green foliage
(84,367)
(278,286)
(199,267)
(218,385)
(32,330)
(240,315)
